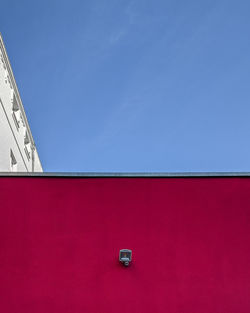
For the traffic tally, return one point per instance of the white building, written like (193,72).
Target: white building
(17,148)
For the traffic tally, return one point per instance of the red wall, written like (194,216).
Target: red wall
(60,239)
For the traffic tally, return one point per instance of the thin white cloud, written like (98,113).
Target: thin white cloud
(117,36)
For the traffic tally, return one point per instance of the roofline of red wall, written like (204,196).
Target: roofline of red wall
(129,175)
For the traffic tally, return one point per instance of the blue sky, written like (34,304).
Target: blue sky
(141,85)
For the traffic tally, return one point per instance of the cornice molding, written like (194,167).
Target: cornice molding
(128,175)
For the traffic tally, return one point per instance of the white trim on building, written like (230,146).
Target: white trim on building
(17,148)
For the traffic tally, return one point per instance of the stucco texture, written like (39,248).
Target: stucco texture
(60,240)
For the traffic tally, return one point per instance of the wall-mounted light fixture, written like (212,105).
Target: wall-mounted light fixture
(125,256)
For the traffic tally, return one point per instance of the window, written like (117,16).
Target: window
(27,145)
(13,162)
(2,60)
(16,112)
(22,121)
(8,78)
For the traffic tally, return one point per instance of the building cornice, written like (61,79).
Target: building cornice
(128,175)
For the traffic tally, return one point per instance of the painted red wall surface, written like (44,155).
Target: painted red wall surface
(60,239)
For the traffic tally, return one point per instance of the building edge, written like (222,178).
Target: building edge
(18,97)
(127,175)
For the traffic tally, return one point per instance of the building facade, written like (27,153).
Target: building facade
(18,152)
(189,235)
